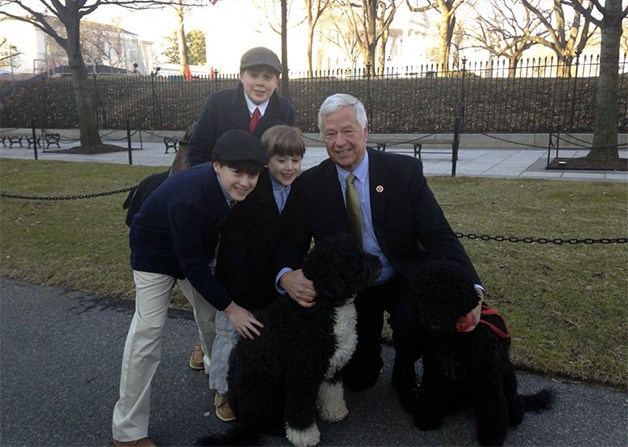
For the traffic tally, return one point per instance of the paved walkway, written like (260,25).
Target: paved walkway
(477,162)
(60,357)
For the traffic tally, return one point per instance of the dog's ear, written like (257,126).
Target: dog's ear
(442,292)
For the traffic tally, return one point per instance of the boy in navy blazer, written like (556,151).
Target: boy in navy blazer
(247,243)
(173,238)
(253,106)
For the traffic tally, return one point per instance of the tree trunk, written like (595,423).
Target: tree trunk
(183,46)
(88,129)
(607,105)
(446,31)
(285,81)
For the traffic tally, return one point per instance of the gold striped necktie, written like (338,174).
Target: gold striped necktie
(354,215)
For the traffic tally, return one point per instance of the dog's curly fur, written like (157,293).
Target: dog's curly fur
(279,380)
(465,368)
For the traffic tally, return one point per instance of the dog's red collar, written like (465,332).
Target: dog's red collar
(465,322)
(492,311)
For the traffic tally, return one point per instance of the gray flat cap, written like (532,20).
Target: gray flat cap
(260,56)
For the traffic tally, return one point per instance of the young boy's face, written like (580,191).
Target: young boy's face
(259,83)
(285,169)
(238,184)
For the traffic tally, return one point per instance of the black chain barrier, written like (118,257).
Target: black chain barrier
(542,240)
(75,197)
(471,236)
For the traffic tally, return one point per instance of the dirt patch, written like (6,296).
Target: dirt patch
(586,164)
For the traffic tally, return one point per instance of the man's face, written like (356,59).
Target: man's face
(285,169)
(344,138)
(259,83)
(238,184)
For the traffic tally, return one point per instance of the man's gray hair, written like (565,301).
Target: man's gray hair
(334,102)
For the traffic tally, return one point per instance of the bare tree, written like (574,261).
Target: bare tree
(340,34)
(313,11)
(607,106)
(71,14)
(447,24)
(567,40)
(102,43)
(504,30)
(385,15)
(369,20)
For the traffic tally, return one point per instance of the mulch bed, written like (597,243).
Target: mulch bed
(586,164)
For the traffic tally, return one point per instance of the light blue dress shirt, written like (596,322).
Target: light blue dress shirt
(280,193)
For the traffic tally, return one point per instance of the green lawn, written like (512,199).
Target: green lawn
(566,305)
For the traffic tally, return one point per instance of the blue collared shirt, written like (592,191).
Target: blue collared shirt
(369,241)
(280,192)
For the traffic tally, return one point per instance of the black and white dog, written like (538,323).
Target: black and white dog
(465,368)
(281,379)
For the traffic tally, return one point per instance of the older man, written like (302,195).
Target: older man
(384,199)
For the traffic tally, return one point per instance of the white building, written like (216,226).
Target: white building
(36,52)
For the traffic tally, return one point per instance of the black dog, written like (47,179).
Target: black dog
(279,380)
(465,368)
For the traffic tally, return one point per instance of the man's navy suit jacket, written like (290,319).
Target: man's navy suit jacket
(408,222)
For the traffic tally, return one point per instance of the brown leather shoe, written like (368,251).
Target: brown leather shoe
(144,442)
(223,409)
(196,360)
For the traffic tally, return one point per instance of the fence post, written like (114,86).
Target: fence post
(573,95)
(460,117)
(34,133)
(128,139)
(156,105)
(455,145)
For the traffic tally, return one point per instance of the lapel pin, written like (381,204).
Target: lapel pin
(379,188)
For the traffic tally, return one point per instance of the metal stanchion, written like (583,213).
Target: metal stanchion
(128,138)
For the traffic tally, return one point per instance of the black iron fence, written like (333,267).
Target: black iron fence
(489,97)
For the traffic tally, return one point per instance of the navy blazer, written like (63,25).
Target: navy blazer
(226,110)
(408,222)
(176,231)
(247,242)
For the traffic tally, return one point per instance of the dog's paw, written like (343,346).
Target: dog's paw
(333,412)
(331,404)
(303,438)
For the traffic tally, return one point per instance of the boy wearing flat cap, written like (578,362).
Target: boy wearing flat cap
(254,106)
(173,237)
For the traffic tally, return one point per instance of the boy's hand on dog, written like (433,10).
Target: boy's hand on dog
(476,313)
(243,320)
(299,287)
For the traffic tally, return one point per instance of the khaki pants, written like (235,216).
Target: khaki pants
(142,350)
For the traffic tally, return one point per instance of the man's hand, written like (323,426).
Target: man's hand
(299,287)
(476,313)
(243,320)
